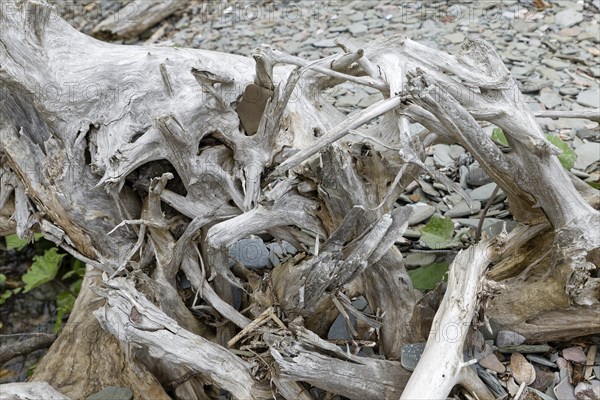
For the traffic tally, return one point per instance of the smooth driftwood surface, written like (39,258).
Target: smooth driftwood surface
(30,391)
(149,163)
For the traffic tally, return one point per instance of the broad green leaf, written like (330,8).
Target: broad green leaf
(437,233)
(568,156)
(499,137)
(13,242)
(43,269)
(64,305)
(428,277)
(2,279)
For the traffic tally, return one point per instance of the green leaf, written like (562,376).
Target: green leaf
(595,185)
(499,137)
(64,305)
(75,287)
(13,242)
(428,277)
(437,233)
(568,156)
(78,270)
(5,296)
(43,269)
(2,279)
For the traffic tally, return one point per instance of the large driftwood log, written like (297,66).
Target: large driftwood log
(148,163)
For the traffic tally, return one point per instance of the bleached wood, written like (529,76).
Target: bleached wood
(154,135)
(441,365)
(29,390)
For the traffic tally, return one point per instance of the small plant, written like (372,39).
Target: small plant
(45,269)
(438,233)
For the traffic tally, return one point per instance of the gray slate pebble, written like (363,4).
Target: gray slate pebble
(422,212)
(587,154)
(410,354)
(251,252)
(509,338)
(462,209)
(484,193)
(589,98)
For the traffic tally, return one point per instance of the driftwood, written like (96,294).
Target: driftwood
(31,390)
(36,342)
(148,163)
(135,17)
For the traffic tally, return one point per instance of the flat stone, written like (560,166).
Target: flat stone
(588,391)
(442,157)
(491,362)
(474,222)
(550,74)
(569,90)
(419,259)
(590,134)
(412,234)
(564,390)
(477,176)
(540,360)
(112,393)
(410,354)
(421,213)
(509,338)
(587,154)
(589,98)
(463,173)
(550,99)
(455,38)
(574,354)
(497,228)
(339,329)
(358,29)
(456,151)
(492,383)
(524,348)
(556,63)
(568,17)
(484,193)
(428,189)
(462,209)
(251,252)
(360,303)
(543,379)
(349,100)
(325,43)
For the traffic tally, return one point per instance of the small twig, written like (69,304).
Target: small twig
(183,379)
(484,213)
(261,320)
(40,341)
(520,392)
